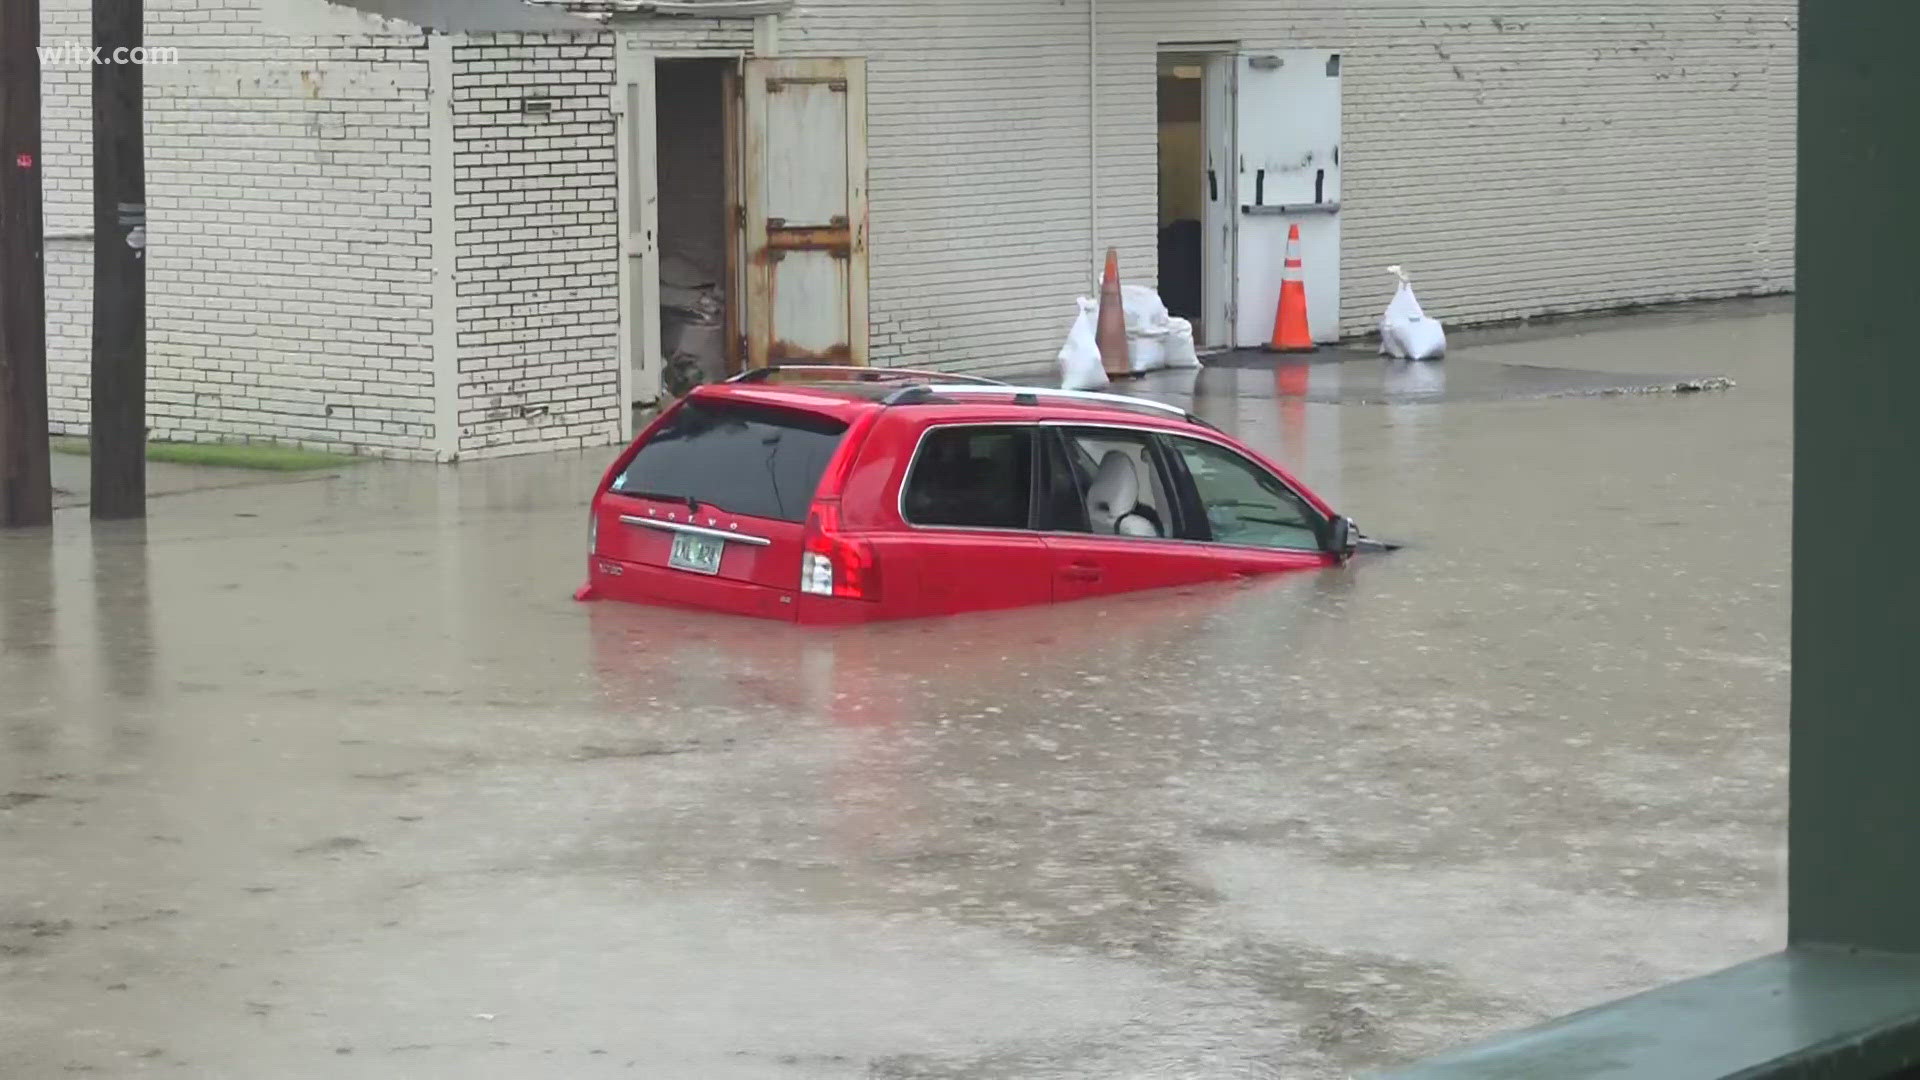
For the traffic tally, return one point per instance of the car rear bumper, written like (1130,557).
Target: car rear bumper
(638,583)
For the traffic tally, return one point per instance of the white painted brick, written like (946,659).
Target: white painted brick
(511,175)
(978,143)
(291,166)
(253,206)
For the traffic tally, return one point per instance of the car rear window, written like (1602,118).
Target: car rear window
(739,458)
(972,477)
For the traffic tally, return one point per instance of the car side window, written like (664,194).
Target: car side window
(972,477)
(1063,506)
(1245,504)
(1117,486)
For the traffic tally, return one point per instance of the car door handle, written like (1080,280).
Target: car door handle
(1081,572)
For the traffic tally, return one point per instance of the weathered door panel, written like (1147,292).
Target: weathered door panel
(805,194)
(640,331)
(1288,136)
(810,305)
(1217,291)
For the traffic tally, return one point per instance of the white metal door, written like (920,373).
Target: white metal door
(805,190)
(640,345)
(1288,131)
(1219,219)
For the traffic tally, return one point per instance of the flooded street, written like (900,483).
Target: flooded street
(331,778)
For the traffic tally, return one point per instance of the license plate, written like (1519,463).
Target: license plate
(698,554)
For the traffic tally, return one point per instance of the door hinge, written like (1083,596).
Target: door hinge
(1233,313)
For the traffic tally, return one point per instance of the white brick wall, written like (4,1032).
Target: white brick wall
(1546,157)
(538,243)
(66,118)
(290,266)
(1540,157)
(1552,156)
(978,175)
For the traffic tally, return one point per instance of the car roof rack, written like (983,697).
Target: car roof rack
(862,374)
(1033,394)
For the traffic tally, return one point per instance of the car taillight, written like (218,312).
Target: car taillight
(835,565)
(593,531)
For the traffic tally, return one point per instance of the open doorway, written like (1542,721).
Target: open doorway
(699,300)
(1182,186)
(1196,191)
(743,216)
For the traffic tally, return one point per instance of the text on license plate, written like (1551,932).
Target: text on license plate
(700,554)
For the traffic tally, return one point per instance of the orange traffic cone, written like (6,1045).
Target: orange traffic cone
(1290,331)
(1110,332)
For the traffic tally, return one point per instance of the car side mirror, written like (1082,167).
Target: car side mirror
(1343,538)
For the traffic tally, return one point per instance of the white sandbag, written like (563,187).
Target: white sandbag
(705,345)
(1146,312)
(1151,330)
(1155,340)
(1406,333)
(1424,340)
(1180,350)
(1080,366)
(1147,351)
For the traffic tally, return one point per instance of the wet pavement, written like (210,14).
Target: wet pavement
(1508,363)
(73,479)
(1375,381)
(332,779)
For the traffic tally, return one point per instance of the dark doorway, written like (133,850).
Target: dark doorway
(1182,150)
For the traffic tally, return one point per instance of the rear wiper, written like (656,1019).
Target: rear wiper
(692,503)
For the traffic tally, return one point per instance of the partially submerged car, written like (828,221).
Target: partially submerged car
(846,495)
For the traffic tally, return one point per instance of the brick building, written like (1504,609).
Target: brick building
(439,229)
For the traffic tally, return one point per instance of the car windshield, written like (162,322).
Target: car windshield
(742,459)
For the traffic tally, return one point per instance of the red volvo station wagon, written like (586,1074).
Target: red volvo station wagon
(846,495)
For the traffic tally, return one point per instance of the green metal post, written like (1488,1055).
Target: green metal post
(1854,834)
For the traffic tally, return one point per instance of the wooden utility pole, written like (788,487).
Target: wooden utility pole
(26,488)
(119,391)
